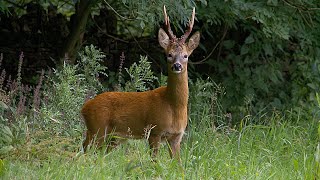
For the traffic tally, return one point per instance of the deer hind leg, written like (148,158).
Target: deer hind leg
(87,141)
(154,143)
(97,138)
(174,146)
(113,142)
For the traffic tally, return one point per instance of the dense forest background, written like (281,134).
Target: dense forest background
(264,53)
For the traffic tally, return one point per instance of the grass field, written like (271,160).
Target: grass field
(279,150)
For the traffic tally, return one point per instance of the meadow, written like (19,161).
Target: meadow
(42,132)
(280,150)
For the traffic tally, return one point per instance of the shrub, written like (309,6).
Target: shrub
(65,94)
(67,91)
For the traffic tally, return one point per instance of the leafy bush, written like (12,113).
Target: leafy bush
(53,106)
(65,95)
(68,89)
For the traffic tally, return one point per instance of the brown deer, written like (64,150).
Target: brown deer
(160,113)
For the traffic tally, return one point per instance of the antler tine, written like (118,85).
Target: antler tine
(167,23)
(190,26)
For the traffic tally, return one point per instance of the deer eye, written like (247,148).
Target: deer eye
(185,56)
(169,55)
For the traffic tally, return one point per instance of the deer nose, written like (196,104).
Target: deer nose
(176,67)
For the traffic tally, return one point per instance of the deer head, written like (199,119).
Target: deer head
(176,49)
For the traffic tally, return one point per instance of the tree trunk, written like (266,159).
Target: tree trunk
(74,39)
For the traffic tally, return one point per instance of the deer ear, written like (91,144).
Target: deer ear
(194,41)
(163,38)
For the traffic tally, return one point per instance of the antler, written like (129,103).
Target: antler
(190,26)
(167,23)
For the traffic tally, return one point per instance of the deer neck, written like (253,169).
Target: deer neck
(177,88)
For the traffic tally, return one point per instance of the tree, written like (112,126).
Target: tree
(79,21)
(145,11)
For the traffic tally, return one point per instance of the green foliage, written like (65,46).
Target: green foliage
(3,8)
(163,80)
(150,13)
(6,137)
(90,64)
(141,76)
(11,133)
(305,79)
(19,7)
(13,110)
(60,100)
(67,91)
(65,98)
(269,57)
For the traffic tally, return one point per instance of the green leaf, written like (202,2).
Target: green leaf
(318,101)
(204,2)
(268,49)
(7,130)
(273,77)
(244,50)
(3,105)
(142,24)
(272,2)
(228,44)
(5,138)
(249,39)
(312,86)
(279,75)
(6,149)
(295,164)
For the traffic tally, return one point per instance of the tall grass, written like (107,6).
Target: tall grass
(276,146)
(281,150)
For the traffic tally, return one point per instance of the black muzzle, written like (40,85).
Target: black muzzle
(176,67)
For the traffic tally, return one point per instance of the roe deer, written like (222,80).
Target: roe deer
(162,111)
